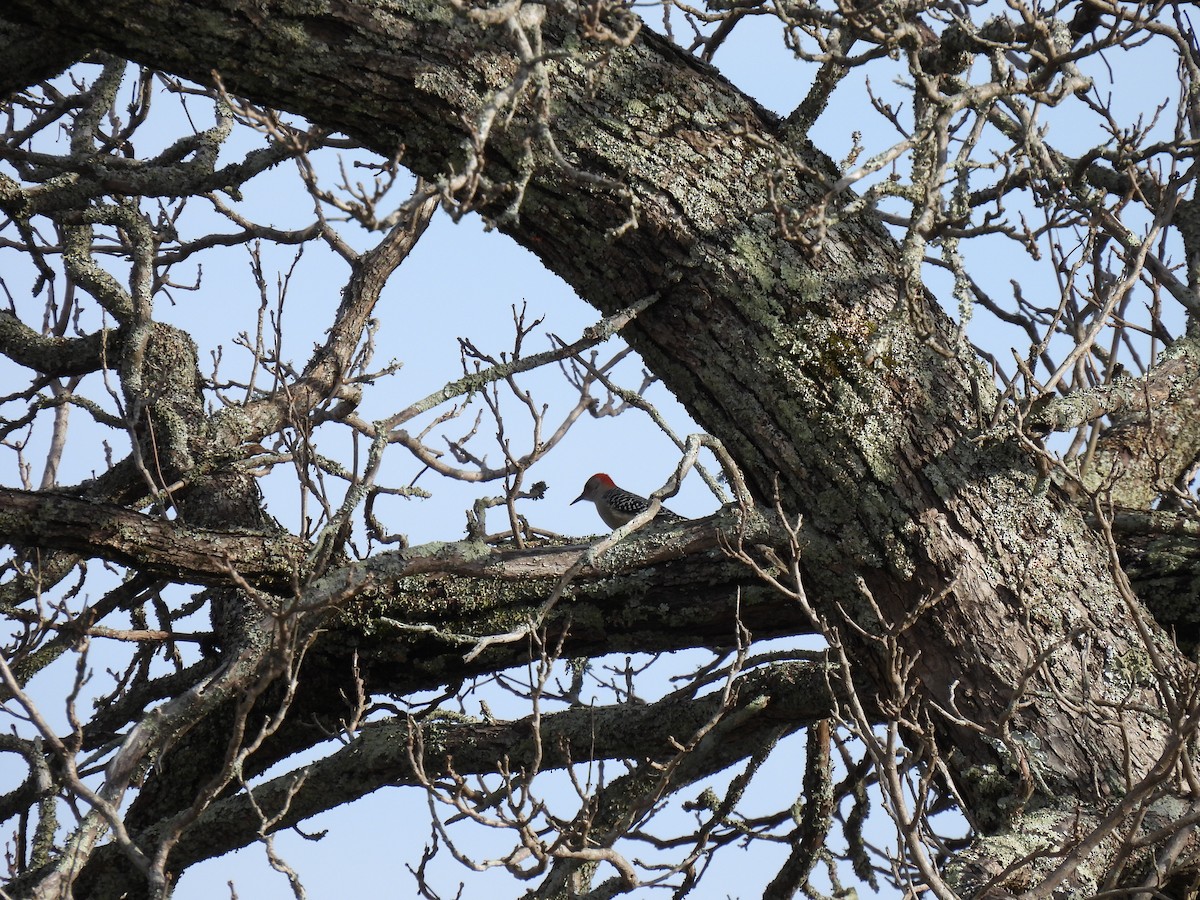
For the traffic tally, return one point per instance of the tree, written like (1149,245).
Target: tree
(983,598)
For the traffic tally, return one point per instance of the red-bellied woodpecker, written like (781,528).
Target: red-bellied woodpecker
(617,506)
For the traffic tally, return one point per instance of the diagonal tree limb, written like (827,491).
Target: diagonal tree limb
(787,695)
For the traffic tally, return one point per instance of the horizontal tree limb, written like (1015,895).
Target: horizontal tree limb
(790,695)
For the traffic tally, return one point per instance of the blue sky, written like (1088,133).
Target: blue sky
(462,281)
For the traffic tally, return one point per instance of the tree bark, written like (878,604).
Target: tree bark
(29,55)
(818,372)
(784,697)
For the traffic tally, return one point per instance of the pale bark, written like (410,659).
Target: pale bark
(904,499)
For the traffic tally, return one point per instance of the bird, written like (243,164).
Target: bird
(616,505)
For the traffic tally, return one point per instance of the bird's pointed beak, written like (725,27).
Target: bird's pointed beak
(576,500)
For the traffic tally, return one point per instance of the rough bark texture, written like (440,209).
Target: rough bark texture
(767,349)
(28,55)
(788,698)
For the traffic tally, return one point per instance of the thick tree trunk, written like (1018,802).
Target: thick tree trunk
(802,366)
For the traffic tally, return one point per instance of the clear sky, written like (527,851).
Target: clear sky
(462,281)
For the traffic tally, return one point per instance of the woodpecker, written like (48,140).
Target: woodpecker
(617,506)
